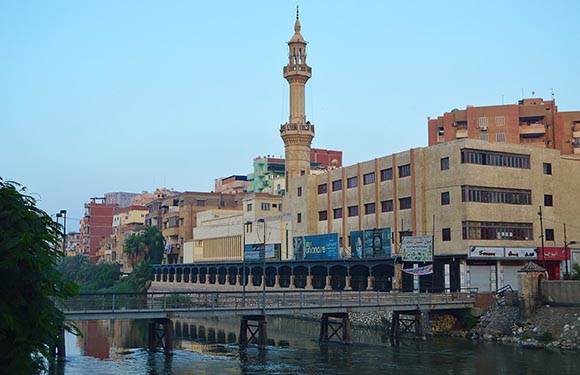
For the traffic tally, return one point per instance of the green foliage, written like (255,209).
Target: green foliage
(546,337)
(30,285)
(148,244)
(468,321)
(576,271)
(90,277)
(137,281)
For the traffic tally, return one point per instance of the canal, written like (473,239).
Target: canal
(208,346)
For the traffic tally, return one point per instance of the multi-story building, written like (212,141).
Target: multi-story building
(96,225)
(121,199)
(232,185)
(127,221)
(73,243)
(479,201)
(145,198)
(176,216)
(533,121)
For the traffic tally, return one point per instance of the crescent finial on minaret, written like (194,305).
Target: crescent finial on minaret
(297,12)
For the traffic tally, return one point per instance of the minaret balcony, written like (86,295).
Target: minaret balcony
(298,69)
(308,127)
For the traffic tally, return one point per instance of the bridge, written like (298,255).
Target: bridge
(254,306)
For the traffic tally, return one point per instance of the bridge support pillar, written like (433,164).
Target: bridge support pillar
(309,282)
(292,278)
(371,283)
(253,329)
(411,322)
(335,325)
(61,348)
(277,284)
(161,335)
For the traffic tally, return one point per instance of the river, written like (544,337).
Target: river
(209,347)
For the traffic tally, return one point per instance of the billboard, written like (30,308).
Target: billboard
(321,246)
(255,252)
(417,249)
(372,243)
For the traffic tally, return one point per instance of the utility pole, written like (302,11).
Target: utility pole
(542,238)
(263,268)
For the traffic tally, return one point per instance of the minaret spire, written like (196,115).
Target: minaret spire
(297,133)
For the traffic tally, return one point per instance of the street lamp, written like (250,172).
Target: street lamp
(247,225)
(263,268)
(567,274)
(62,214)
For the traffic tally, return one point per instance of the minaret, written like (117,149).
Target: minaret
(297,133)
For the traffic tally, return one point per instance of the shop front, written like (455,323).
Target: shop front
(491,268)
(556,261)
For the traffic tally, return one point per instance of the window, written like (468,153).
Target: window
(337,213)
(299,191)
(405,203)
(444,164)
(386,174)
(200,203)
(547,168)
(500,137)
(322,215)
(387,206)
(322,189)
(497,159)
(265,206)
(444,198)
(405,170)
(370,208)
(337,185)
(249,207)
(352,211)
(299,217)
(548,200)
(351,182)
(483,137)
(549,234)
(495,195)
(479,230)
(446,234)
(499,120)
(483,123)
(369,178)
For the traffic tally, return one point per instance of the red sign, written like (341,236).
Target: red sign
(552,253)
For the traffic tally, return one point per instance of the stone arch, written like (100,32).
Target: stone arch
(319,274)
(300,274)
(359,277)
(284,272)
(338,277)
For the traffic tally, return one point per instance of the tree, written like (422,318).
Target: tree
(147,244)
(30,285)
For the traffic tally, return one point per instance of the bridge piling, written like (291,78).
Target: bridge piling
(255,325)
(160,335)
(61,347)
(411,322)
(331,327)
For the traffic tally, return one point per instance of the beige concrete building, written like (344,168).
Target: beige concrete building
(479,201)
(126,221)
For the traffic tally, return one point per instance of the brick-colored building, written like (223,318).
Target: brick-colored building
(96,225)
(533,121)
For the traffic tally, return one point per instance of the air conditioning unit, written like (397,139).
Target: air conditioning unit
(483,128)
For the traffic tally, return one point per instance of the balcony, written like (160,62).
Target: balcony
(576,134)
(532,130)
(461,133)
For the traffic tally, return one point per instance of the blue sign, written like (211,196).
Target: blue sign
(321,246)
(372,243)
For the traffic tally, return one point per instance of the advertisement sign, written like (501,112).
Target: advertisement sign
(321,246)
(478,252)
(552,253)
(372,243)
(298,246)
(417,249)
(255,252)
(425,270)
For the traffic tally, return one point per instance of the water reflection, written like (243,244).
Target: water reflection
(209,346)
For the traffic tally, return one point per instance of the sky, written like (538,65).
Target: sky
(103,96)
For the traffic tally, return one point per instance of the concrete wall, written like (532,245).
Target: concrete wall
(559,292)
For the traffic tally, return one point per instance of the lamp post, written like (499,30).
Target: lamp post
(247,224)
(567,274)
(542,237)
(63,213)
(263,267)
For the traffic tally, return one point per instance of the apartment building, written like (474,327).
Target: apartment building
(479,201)
(96,225)
(533,121)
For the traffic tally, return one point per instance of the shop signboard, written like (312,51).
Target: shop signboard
(521,253)
(480,252)
(551,253)
(371,243)
(321,246)
(417,249)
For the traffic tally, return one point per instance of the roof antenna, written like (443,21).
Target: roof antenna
(297,13)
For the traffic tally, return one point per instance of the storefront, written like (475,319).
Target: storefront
(555,259)
(491,268)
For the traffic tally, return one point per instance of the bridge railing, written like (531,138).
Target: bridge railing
(214,300)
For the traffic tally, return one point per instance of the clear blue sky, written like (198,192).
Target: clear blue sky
(102,96)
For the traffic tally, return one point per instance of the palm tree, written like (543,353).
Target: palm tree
(147,244)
